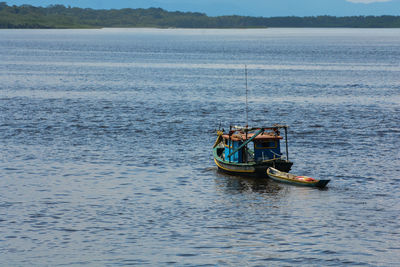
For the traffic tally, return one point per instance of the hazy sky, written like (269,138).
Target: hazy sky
(266,8)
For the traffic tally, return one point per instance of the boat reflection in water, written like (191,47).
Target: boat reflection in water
(233,184)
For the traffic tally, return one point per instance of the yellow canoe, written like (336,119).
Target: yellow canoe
(289,178)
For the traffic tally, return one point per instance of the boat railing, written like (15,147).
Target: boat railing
(276,154)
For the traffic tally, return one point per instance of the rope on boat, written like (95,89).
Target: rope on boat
(268,160)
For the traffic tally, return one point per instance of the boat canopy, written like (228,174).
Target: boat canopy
(261,137)
(266,144)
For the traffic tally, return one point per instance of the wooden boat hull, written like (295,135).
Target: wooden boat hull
(254,169)
(288,178)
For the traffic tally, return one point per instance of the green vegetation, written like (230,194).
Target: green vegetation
(59,17)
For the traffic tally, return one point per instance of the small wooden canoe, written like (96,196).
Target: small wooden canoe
(289,178)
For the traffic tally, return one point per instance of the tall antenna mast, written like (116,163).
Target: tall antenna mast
(247,109)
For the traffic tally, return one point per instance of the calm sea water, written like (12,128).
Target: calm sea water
(106,135)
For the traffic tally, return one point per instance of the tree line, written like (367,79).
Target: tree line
(61,17)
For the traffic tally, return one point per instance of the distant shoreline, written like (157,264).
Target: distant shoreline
(61,17)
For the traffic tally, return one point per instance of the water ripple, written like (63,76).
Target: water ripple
(106,147)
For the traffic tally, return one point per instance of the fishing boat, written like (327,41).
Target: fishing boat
(251,151)
(289,178)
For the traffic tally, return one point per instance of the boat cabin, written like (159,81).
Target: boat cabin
(262,147)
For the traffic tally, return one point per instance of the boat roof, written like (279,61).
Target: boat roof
(265,136)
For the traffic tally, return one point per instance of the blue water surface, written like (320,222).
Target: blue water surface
(106,136)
